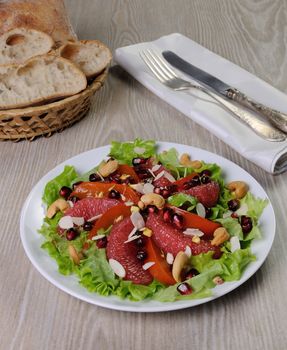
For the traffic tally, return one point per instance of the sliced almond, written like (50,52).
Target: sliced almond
(193,232)
(156,167)
(97,237)
(137,220)
(188,251)
(159,175)
(66,222)
(96,217)
(235,244)
(169,258)
(200,210)
(148,188)
(78,221)
(169,176)
(117,268)
(147,265)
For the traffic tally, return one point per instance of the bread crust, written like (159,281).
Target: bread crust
(48,16)
(91,56)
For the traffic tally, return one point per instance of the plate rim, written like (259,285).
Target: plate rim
(123,304)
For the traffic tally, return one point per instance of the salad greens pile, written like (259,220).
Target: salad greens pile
(94,271)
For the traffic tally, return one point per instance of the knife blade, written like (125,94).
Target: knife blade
(277,118)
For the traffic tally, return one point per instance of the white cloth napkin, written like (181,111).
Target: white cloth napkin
(271,156)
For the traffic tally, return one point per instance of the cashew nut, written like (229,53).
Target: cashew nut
(73,254)
(179,264)
(187,162)
(220,236)
(238,188)
(153,199)
(59,205)
(108,168)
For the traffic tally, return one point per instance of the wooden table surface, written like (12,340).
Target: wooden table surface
(34,314)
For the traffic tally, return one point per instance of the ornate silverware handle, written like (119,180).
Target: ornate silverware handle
(261,128)
(275,117)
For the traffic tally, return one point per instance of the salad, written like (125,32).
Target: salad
(148,225)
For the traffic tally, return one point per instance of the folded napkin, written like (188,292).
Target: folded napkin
(271,156)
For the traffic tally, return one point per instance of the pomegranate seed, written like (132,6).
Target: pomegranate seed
(195,181)
(114,194)
(94,177)
(234,216)
(168,214)
(191,273)
(184,288)
(143,174)
(157,190)
(177,220)
(76,184)
(206,172)
(233,204)
(74,199)
(205,179)
(71,234)
(102,243)
(115,178)
(246,224)
(208,212)
(141,255)
(138,161)
(65,192)
(152,209)
(140,242)
(87,226)
(165,193)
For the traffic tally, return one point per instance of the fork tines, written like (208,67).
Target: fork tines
(157,65)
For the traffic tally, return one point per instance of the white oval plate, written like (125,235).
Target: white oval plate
(32,216)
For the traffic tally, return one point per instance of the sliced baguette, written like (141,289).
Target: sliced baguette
(20,44)
(41,79)
(91,56)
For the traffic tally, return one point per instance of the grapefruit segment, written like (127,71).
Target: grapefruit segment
(171,240)
(90,207)
(207,194)
(125,253)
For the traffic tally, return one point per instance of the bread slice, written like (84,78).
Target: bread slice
(40,79)
(20,44)
(91,56)
(48,16)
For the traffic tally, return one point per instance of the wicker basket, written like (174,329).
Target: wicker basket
(30,122)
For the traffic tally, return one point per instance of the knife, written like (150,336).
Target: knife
(277,118)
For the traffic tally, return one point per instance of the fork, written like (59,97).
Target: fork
(167,76)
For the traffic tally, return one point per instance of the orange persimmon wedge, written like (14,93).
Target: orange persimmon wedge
(124,169)
(109,217)
(94,189)
(160,270)
(195,221)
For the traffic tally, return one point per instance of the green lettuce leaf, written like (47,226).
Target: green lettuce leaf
(255,205)
(232,226)
(66,178)
(124,152)
(179,199)
(230,266)
(137,292)
(96,274)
